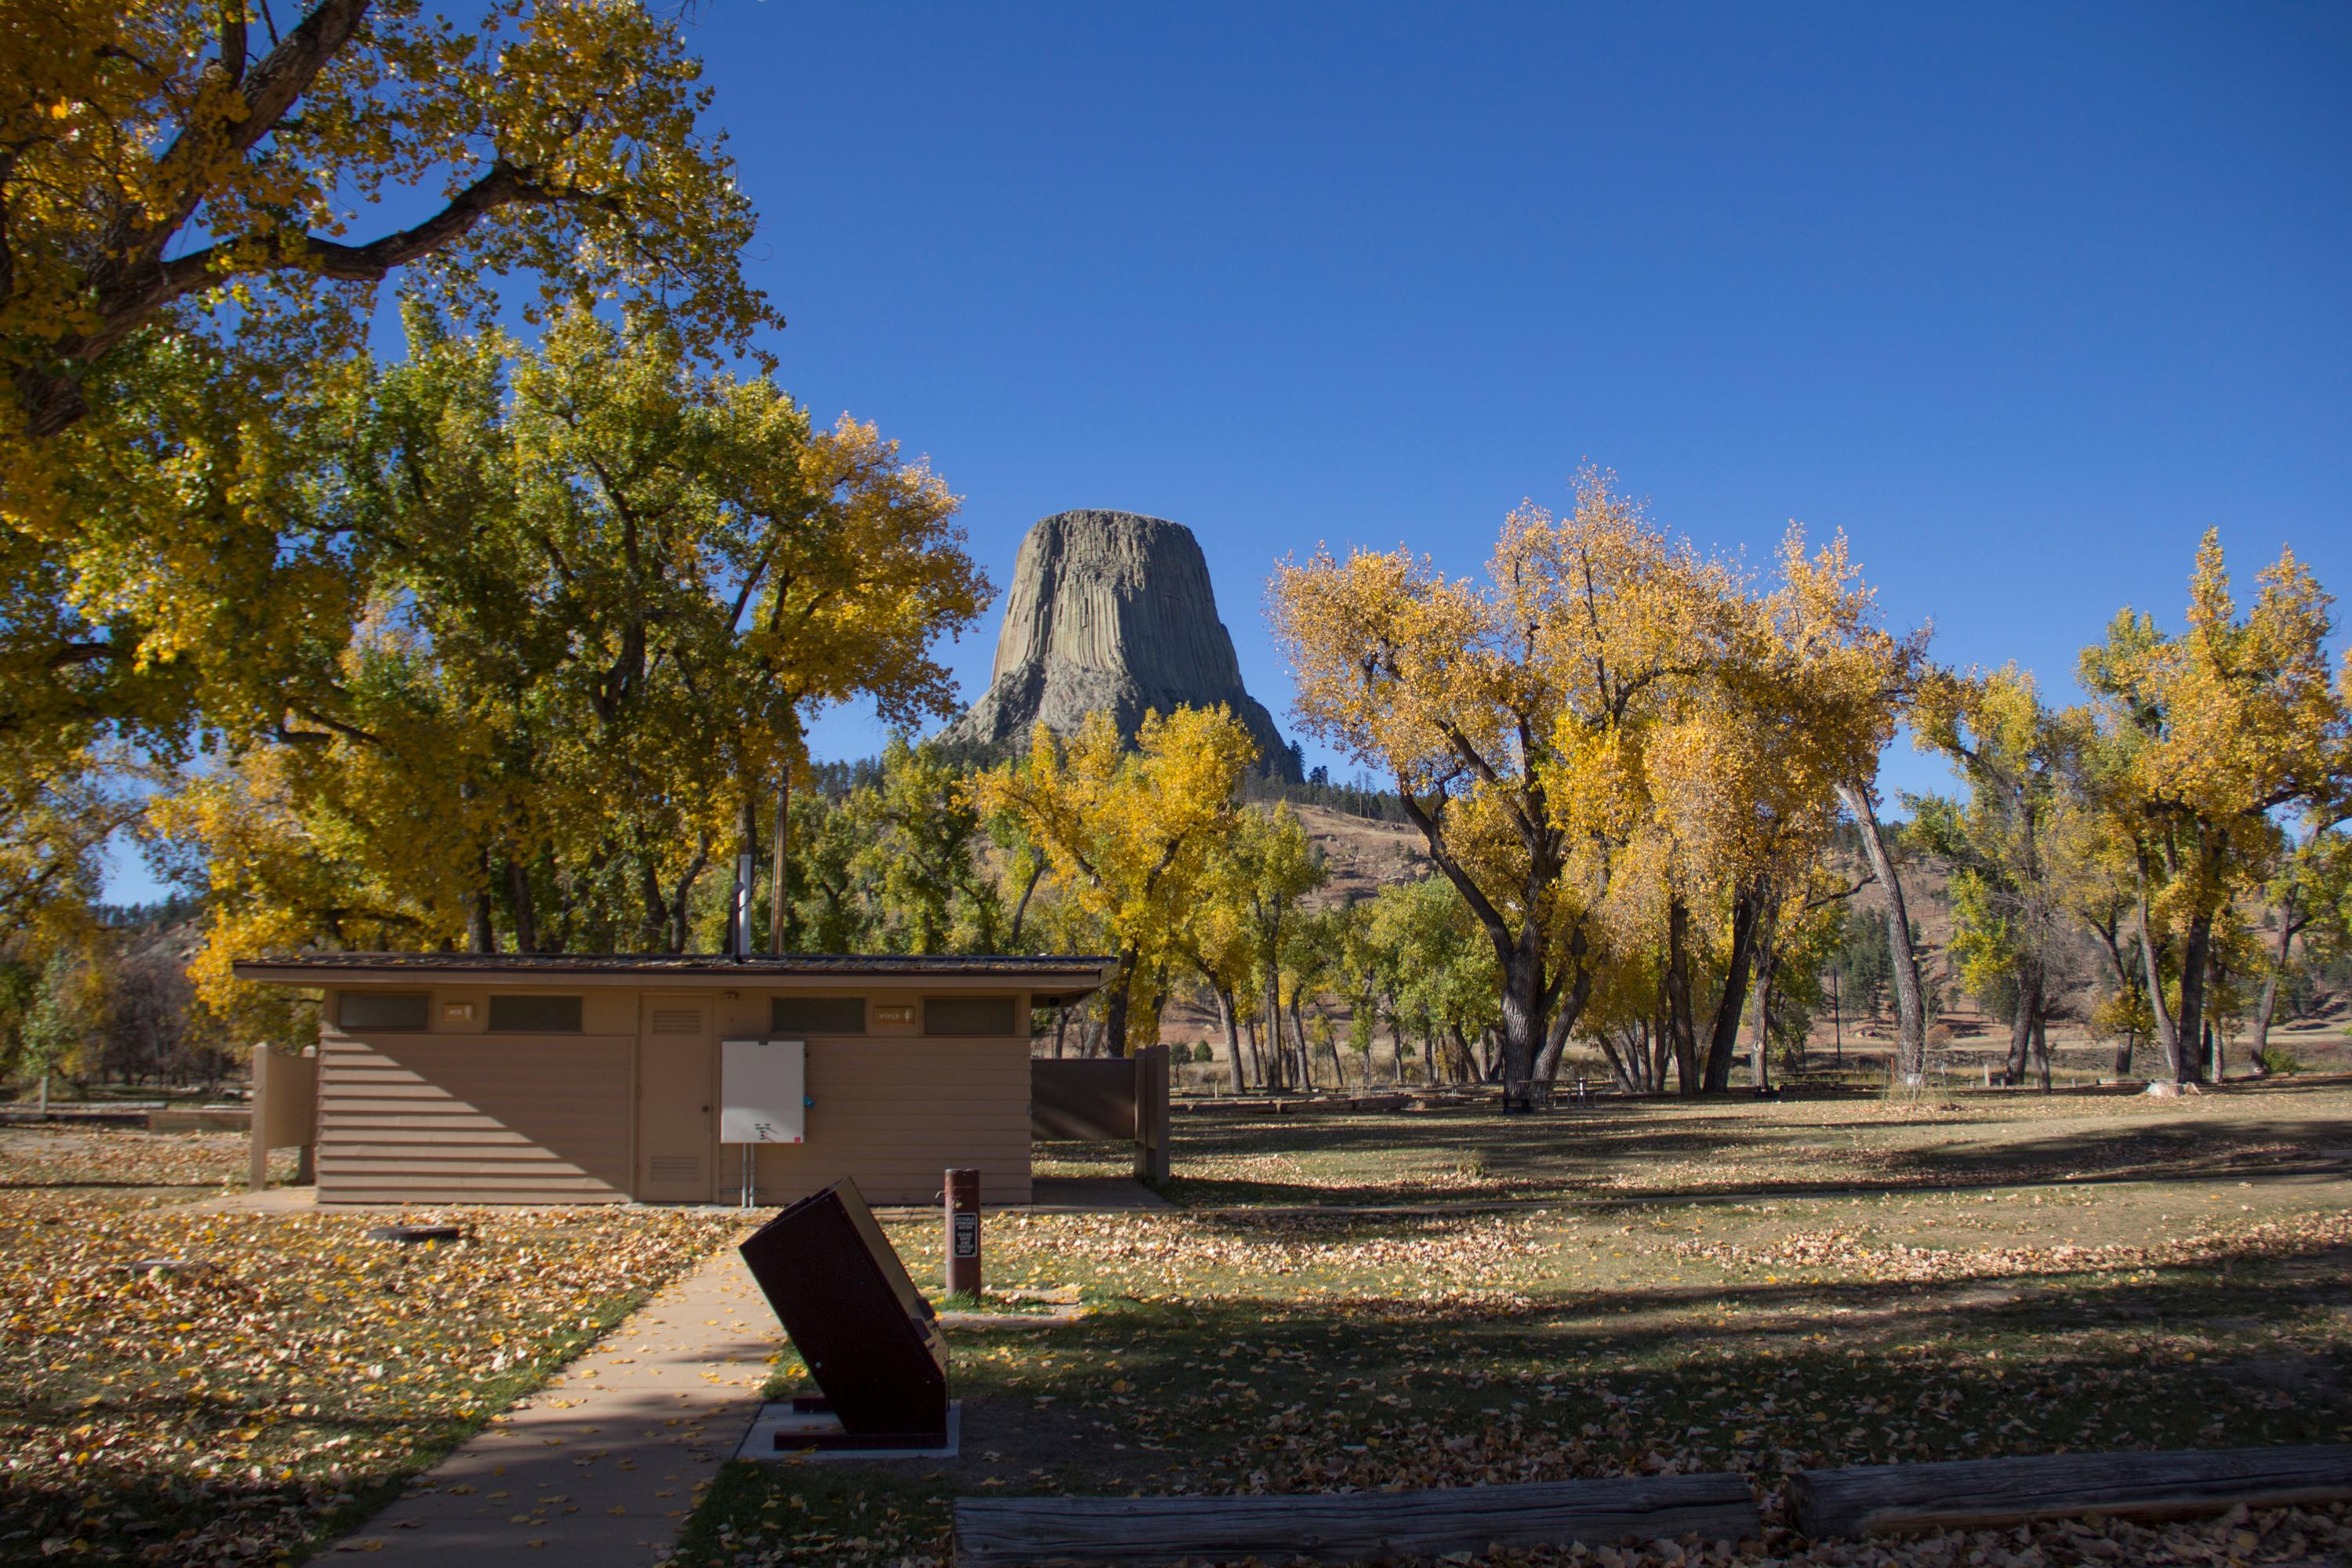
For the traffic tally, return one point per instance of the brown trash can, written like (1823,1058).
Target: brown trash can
(871,1341)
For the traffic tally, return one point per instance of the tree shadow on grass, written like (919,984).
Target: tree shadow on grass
(2027,1357)
(1504,1160)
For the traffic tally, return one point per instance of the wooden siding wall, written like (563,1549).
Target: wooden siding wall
(464,1117)
(894,1112)
(456,1115)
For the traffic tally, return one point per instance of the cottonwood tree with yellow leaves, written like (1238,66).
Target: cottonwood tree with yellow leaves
(1716,815)
(1214,943)
(1128,837)
(2203,737)
(167,154)
(1268,866)
(1823,684)
(187,276)
(1618,756)
(1513,714)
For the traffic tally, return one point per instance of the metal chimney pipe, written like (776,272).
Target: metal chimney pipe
(742,907)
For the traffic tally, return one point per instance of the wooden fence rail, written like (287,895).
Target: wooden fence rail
(1967,1494)
(1339,1527)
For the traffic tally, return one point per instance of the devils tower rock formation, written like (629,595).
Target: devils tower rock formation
(1114,611)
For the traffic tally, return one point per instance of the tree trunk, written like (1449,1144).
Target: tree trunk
(780,838)
(1233,1036)
(1298,1043)
(2168,1032)
(2190,1025)
(1115,1001)
(1682,1038)
(1910,1011)
(1618,1070)
(2264,1012)
(1567,1012)
(1555,1046)
(1061,1028)
(656,908)
(1523,1013)
(481,932)
(1020,910)
(1723,1037)
(525,916)
(2268,1007)
(1277,1065)
(481,936)
(2122,967)
(1759,1066)
(685,889)
(1837,1018)
(2021,1028)
(2036,1005)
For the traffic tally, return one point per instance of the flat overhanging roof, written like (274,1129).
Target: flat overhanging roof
(1051,977)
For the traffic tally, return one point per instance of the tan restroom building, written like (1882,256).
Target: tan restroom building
(528,1078)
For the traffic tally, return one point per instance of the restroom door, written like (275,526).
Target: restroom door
(675,1079)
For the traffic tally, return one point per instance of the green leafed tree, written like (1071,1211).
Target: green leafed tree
(601,588)
(2017,844)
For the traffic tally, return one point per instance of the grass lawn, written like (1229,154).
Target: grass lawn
(279,1379)
(1762,1287)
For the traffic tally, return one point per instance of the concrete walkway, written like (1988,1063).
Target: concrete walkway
(599,1468)
(1091,1194)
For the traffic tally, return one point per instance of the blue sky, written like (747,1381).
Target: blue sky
(2021,298)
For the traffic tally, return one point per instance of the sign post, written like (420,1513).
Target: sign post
(962,1190)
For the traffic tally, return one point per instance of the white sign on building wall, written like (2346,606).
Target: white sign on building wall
(762,1092)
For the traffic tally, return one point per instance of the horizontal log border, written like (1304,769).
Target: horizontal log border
(1966,1494)
(1339,1527)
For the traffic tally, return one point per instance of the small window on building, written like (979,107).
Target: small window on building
(968,1015)
(535,1015)
(382,1012)
(816,1015)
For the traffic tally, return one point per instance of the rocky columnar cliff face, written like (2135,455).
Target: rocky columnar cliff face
(1113,611)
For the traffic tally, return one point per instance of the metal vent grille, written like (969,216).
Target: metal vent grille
(678,1021)
(676,1168)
